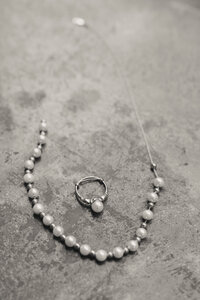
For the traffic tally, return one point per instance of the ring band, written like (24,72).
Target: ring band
(87,201)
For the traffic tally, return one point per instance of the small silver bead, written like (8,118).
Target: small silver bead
(110,255)
(52,226)
(39,146)
(151,204)
(62,238)
(27,171)
(76,246)
(144,225)
(157,190)
(138,239)
(34,201)
(29,186)
(153,166)
(93,254)
(42,215)
(32,158)
(126,251)
(42,133)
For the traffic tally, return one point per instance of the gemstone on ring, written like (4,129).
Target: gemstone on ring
(97,205)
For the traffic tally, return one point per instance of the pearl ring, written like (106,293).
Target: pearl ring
(96,202)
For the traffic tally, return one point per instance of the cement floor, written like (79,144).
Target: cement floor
(52,70)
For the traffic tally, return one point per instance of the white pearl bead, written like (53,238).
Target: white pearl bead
(43,126)
(37,152)
(85,249)
(118,252)
(97,206)
(42,139)
(70,241)
(28,178)
(158,182)
(29,164)
(101,255)
(38,208)
(147,214)
(47,220)
(133,245)
(33,193)
(142,233)
(152,197)
(58,230)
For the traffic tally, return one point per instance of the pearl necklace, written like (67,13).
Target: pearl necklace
(58,231)
(69,240)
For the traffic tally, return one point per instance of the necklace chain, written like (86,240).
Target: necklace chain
(82,23)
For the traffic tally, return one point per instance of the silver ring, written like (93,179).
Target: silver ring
(85,201)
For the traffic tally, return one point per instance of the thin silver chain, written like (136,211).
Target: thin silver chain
(81,22)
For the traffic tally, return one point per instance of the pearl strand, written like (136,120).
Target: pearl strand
(69,240)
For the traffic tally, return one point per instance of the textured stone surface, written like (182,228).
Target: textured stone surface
(52,70)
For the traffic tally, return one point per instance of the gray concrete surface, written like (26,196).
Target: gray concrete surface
(52,70)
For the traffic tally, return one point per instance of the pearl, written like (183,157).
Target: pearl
(101,255)
(85,249)
(133,245)
(33,193)
(43,126)
(147,215)
(28,178)
(118,252)
(57,231)
(158,182)
(42,139)
(97,206)
(47,220)
(38,208)
(29,164)
(70,241)
(152,197)
(142,233)
(37,152)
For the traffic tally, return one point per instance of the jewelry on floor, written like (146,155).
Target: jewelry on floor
(58,231)
(96,202)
